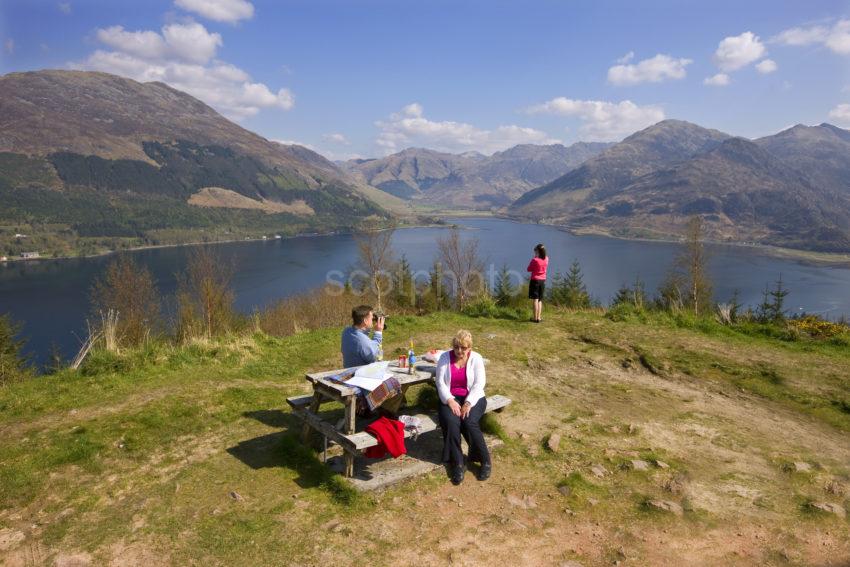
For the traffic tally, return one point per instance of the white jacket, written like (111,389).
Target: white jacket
(475,377)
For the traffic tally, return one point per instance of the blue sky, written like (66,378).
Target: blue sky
(366,78)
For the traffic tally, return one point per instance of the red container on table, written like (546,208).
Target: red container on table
(402,361)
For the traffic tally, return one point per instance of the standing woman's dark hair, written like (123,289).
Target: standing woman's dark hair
(541,251)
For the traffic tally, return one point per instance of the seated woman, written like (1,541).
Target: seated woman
(460,384)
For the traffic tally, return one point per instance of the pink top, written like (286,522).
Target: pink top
(537,267)
(458,384)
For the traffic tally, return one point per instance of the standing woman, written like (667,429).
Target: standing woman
(537,284)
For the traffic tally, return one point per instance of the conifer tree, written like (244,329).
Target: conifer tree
(623,296)
(405,289)
(436,289)
(633,295)
(777,303)
(503,290)
(765,308)
(570,290)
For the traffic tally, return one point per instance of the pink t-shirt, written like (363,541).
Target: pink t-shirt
(458,383)
(537,267)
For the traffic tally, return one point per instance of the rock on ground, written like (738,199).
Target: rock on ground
(73,560)
(598,470)
(666,506)
(830,508)
(526,502)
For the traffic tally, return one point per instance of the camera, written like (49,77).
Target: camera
(378,315)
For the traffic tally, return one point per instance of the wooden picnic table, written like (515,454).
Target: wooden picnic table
(325,390)
(352,442)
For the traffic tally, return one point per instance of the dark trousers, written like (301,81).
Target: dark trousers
(453,427)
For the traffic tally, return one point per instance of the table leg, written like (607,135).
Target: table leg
(314,408)
(350,415)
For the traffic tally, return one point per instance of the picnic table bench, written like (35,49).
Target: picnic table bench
(351,441)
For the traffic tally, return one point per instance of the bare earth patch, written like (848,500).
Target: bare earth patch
(217,197)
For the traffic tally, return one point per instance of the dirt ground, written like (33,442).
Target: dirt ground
(654,466)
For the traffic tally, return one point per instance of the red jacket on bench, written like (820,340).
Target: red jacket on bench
(390,435)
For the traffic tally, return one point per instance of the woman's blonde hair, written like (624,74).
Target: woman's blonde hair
(462,338)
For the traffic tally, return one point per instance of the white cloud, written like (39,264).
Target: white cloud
(841,113)
(65,7)
(738,51)
(336,138)
(626,58)
(652,70)
(413,110)
(839,37)
(142,43)
(836,37)
(718,80)
(9,45)
(802,36)
(410,128)
(602,121)
(230,11)
(183,56)
(191,41)
(295,143)
(766,66)
(258,94)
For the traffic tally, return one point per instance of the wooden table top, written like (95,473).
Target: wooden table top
(423,372)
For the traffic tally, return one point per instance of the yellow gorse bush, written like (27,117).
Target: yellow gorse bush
(819,328)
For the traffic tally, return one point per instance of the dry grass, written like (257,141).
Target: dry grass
(141,465)
(319,309)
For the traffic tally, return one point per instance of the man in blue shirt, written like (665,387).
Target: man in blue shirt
(357,348)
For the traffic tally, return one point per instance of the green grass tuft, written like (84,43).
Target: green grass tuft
(490,424)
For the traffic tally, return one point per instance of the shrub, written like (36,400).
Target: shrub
(634,294)
(127,293)
(486,306)
(464,267)
(818,328)
(620,312)
(204,296)
(12,363)
(322,308)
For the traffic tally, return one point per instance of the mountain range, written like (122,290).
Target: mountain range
(790,189)
(87,155)
(104,156)
(470,180)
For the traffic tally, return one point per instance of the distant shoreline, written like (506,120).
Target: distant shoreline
(17,260)
(806,256)
(819,258)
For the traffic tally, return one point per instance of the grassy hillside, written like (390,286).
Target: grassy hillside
(190,456)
